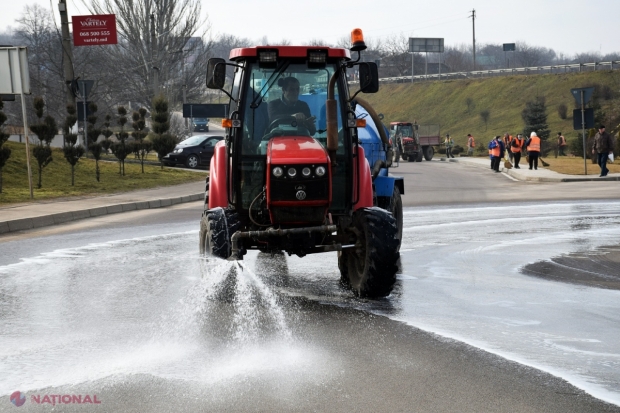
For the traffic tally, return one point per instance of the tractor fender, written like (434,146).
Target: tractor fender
(384,184)
(218,190)
(363,183)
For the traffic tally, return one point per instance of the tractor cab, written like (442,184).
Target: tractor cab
(278,139)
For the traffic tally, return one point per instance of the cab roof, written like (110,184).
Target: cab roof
(289,52)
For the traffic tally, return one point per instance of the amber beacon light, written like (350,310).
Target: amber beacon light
(357,40)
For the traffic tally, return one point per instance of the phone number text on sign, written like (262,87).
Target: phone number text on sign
(94,30)
(103,33)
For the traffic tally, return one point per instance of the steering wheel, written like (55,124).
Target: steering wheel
(280,120)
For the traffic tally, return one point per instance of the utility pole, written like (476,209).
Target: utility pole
(473,23)
(154,57)
(67,51)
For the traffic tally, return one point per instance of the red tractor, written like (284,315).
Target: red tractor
(291,174)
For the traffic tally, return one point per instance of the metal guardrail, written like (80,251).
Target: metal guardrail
(574,67)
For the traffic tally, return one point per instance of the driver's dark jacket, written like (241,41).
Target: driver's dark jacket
(278,108)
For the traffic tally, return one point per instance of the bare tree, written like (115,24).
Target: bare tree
(458,59)
(529,56)
(158,40)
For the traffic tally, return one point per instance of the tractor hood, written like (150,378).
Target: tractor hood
(284,150)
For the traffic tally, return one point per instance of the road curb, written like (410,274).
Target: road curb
(62,217)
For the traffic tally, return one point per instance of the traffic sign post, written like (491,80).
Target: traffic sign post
(15,79)
(583,96)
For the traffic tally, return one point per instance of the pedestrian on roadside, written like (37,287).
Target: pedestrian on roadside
(449,142)
(397,144)
(507,140)
(471,145)
(561,144)
(533,150)
(603,146)
(492,145)
(497,151)
(516,145)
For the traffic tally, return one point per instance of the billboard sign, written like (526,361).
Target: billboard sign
(94,30)
(421,45)
(14,74)
(206,110)
(510,47)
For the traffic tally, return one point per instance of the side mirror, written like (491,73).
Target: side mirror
(216,73)
(369,77)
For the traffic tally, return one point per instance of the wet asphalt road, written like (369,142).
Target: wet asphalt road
(148,326)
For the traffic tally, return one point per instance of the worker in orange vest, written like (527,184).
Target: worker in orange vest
(471,144)
(507,139)
(533,149)
(561,144)
(497,150)
(516,146)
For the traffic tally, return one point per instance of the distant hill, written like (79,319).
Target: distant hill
(445,102)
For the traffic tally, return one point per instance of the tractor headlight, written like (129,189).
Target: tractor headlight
(306,172)
(277,172)
(320,170)
(291,172)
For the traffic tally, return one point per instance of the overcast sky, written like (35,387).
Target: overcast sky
(567,26)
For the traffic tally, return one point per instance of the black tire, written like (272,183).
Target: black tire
(216,228)
(429,151)
(372,264)
(405,157)
(420,156)
(394,205)
(192,161)
(343,262)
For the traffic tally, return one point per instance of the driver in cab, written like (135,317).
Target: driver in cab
(289,105)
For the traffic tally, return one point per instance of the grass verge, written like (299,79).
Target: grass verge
(56,177)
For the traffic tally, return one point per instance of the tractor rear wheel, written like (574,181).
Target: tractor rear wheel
(372,264)
(216,227)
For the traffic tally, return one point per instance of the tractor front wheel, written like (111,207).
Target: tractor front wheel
(216,228)
(395,206)
(420,155)
(372,264)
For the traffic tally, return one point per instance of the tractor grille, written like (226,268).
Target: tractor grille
(286,190)
(306,215)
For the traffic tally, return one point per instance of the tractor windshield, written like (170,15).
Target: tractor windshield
(274,95)
(272,100)
(406,131)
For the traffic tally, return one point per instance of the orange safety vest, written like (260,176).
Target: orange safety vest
(507,140)
(519,143)
(496,151)
(534,145)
